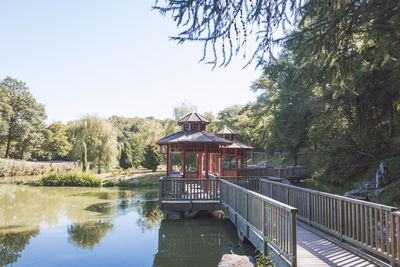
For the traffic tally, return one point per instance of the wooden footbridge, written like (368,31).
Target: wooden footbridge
(301,227)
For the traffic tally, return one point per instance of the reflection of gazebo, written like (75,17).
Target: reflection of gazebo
(202,153)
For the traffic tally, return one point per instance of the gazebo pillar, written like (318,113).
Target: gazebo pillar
(207,158)
(168,164)
(184,161)
(200,165)
(237,163)
(211,163)
(221,163)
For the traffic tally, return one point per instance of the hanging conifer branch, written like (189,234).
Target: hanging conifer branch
(216,22)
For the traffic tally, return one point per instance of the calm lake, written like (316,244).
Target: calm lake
(73,226)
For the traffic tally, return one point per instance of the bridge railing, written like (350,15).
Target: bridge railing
(249,182)
(171,188)
(267,223)
(368,225)
(281,172)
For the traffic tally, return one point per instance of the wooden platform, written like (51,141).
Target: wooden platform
(313,250)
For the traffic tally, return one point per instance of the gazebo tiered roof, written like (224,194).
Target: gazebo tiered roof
(226,130)
(193,117)
(194,137)
(229,134)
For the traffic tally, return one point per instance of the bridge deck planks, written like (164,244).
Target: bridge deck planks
(313,250)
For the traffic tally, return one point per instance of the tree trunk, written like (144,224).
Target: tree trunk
(295,158)
(390,120)
(8,144)
(98,168)
(22,151)
(84,158)
(359,117)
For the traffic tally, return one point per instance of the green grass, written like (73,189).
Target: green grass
(69,178)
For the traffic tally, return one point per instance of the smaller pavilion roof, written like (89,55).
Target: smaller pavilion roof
(193,117)
(193,137)
(226,130)
(237,144)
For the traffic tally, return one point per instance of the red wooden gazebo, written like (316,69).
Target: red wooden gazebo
(202,154)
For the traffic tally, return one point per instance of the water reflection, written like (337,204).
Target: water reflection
(151,214)
(104,227)
(85,214)
(87,235)
(12,244)
(199,242)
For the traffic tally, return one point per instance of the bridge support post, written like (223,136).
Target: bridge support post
(310,211)
(341,220)
(294,238)
(264,230)
(393,245)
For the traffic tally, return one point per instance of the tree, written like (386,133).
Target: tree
(334,87)
(56,143)
(21,113)
(288,106)
(183,110)
(95,139)
(125,160)
(152,158)
(139,132)
(224,27)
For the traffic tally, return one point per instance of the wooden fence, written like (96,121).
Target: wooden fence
(267,223)
(368,225)
(251,183)
(188,189)
(279,172)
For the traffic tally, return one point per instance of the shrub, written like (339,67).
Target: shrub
(74,178)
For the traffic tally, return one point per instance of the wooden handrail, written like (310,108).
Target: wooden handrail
(368,225)
(258,216)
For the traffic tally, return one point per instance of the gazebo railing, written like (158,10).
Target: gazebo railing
(171,188)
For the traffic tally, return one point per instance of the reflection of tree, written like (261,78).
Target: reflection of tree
(87,235)
(151,215)
(12,244)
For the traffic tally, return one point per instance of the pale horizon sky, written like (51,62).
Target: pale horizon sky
(109,58)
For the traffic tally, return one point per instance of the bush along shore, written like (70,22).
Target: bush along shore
(69,178)
(75,178)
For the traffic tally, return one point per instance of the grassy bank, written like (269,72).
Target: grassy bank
(22,168)
(71,178)
(131,179)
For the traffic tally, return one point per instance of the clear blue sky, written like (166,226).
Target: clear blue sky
(111,57)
